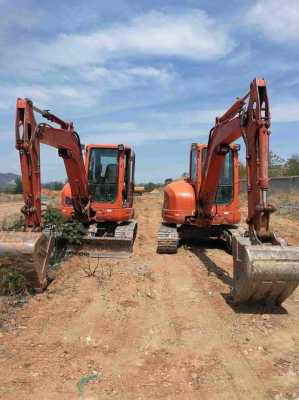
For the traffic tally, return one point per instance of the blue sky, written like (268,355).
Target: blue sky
(153,74)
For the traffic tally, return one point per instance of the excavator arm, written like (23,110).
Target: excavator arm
(29,136)
(249,118)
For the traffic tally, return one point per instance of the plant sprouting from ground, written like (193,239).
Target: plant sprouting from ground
(70,232)
(12,282)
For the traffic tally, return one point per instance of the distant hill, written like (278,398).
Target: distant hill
(7,179)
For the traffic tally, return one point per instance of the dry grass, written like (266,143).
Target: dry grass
(286,203)
(8,197)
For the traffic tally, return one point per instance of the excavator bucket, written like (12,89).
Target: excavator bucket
(27,253)
(264,273)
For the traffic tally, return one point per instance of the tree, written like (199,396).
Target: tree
(276,165)
(292,165)
(242,170)
(167,181)
(148,187)
(18,188)
(56,185)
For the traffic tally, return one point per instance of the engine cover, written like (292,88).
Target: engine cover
(179,202)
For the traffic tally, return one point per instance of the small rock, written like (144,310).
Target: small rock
(266,317)
(88,339)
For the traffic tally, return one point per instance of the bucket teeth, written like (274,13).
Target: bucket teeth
(264,273)
(27,253)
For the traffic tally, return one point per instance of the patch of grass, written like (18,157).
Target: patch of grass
(69,232)
(73,232)
(84,380)
(13,222)
(12,282)
(53,216)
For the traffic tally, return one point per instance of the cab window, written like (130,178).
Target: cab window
(193,165)
(103,174)
(225,192)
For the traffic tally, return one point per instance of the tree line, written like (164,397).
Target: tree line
(278,166)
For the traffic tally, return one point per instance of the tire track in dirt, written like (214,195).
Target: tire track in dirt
(149,329)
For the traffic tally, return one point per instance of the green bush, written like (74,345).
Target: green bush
(18,188)
(12,282)
(68,232)
(72,232)
(53,216)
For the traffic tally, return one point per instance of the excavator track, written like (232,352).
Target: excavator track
(263,273)
(168,239)
(126,233)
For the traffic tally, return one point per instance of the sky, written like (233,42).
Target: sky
(151,74)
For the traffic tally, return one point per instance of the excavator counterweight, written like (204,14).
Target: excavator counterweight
(206,205)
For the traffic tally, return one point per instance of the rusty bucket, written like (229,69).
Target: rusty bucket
(264,273)
(27,253)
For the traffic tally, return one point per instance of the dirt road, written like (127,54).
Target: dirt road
(149,327)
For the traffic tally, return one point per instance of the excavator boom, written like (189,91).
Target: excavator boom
(265,268)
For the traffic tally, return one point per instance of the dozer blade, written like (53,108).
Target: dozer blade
(120,245)
(27,253)
(264,274)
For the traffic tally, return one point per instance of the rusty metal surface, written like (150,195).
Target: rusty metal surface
(264,273)
(27,253)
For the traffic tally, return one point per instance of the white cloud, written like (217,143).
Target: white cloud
(124,76)
(278,20)
(142,135)
(192,35)
(288,111)
(47,95)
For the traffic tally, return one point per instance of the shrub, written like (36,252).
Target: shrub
(12,282)
(67,232)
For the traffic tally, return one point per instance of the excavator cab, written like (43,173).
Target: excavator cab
(226,187)
(226,201)
(110,173)
(103,174)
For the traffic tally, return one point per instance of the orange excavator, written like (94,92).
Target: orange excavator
(205,205)
(99,193)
